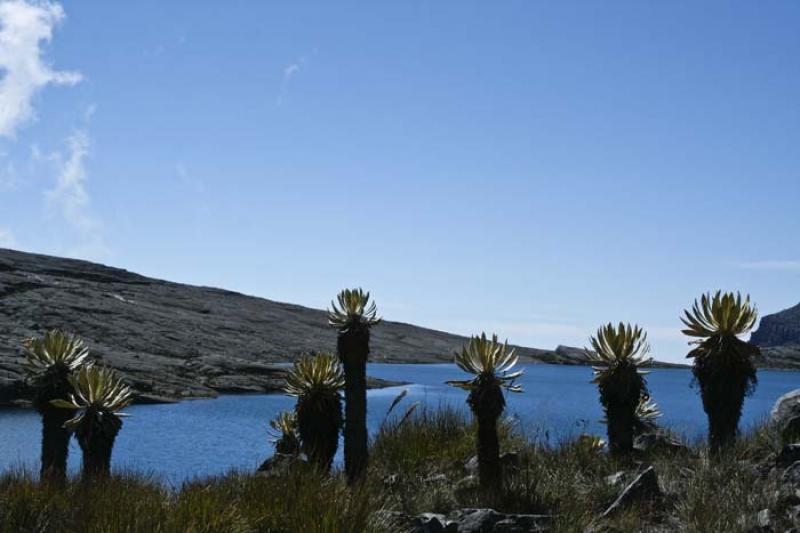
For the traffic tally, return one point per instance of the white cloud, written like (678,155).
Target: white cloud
(24,27)
(71,198)
(70,191)
(7,239)
(770,265)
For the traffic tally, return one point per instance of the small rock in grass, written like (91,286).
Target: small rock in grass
(644,488)
(616,478)
(763,519)
(660,443)
(280,464)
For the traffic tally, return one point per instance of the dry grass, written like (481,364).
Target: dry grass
(419,466)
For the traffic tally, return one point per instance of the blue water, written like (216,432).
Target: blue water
(208,437)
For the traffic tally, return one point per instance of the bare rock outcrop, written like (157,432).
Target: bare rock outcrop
(174,341)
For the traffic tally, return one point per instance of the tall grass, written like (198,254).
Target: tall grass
(419,465)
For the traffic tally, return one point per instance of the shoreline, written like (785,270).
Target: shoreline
(146,398)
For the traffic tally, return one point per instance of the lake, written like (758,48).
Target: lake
(208,437)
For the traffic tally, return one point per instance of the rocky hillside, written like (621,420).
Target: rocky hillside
(176,341)
(779,329)
(778,335)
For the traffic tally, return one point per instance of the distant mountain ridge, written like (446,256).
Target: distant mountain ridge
(176,341)
(778,335)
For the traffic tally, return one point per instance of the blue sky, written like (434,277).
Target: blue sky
(530,168)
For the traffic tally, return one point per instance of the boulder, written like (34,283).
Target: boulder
(431,523)
(476,520)
(786,407)
(280,464)
(490,521)
(425,523)
(789,454)
(792,474)
(790,429)
(644,488)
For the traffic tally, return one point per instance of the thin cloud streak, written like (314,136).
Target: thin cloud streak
(71,198)
(288,72)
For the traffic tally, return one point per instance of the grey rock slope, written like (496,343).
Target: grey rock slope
(177,341)
(778,335)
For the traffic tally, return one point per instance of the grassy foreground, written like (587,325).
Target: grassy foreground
(419,466)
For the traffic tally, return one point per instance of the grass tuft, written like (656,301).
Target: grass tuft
(419,464)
